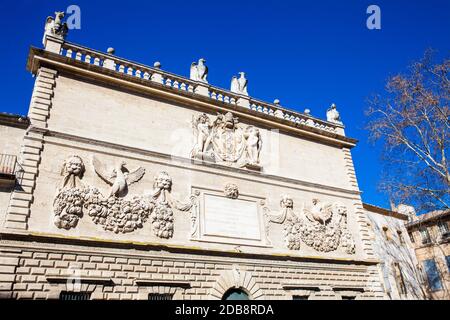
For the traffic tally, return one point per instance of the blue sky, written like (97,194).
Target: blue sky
(308,54)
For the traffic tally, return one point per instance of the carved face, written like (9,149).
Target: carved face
(252,131)
(229,120)
(231,191)
(341,209)
(287,202)
(74,165)
(203,118)
(163,181)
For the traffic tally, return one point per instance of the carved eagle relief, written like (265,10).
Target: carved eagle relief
(118,177)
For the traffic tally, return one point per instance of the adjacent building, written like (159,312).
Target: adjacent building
(430,236)
(136,183)
(399,268)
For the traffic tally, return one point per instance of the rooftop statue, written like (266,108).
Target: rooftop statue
(333,114)
(239,85)
(199,71)
(55,27)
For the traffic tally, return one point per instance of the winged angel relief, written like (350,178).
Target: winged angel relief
(320,226)
(117,212)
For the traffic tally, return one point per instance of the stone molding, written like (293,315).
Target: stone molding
(187,163)
(186,253)
(236,279)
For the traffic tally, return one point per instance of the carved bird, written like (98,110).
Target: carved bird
(116,177)
(319,213)
(235,85)
(333,114)
(243,83)
(199,71)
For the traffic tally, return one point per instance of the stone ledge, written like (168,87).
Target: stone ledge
(28,237)
(81,279)
(162,283)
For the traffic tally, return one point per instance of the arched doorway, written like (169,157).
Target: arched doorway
(235,294)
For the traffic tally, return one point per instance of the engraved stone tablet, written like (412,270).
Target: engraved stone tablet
(231,218)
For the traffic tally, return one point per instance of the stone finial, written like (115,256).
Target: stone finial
(111,50)
(276,101)
(333,115)
(157,65)
(239,85)
(307,111)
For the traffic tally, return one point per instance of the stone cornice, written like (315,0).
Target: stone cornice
(33,239)
(385,212)
(40,57)
(13,120)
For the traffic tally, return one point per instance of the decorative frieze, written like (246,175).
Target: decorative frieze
(321,226)
(114,212)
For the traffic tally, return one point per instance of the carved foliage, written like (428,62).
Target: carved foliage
(114,213)
(320,226)
(71,195)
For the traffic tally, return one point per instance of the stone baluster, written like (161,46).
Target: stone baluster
(138,73)
(129,71)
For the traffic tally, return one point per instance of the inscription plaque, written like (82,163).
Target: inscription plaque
(231,218)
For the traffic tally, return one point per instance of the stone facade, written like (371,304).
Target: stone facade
(137,181)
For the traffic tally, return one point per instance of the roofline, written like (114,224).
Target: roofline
(40,57)
(14,120)
(429,219)
(385,212)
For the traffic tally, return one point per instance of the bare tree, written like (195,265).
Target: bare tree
(412,121)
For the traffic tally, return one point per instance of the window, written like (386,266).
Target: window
(399,280)
(411,236)
(400,237)
(387,234)
(434,280)
(235,294)
(443,227)
(348,297)
(160,296)
(74,296)
(302,297)
(425,236)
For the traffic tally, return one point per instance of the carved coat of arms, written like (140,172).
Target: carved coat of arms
(225,142)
